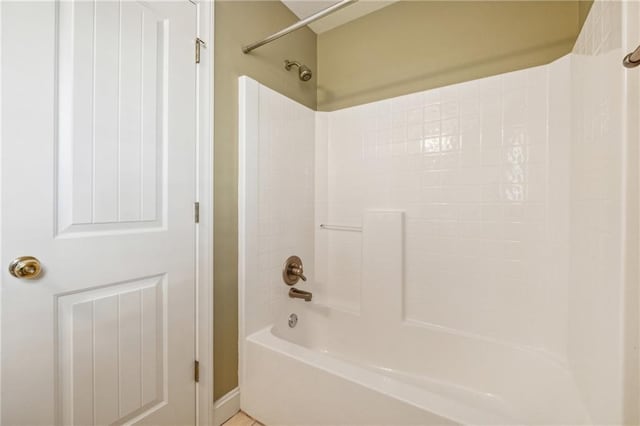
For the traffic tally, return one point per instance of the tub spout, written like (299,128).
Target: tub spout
(294,293)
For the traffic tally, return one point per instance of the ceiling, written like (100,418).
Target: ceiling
(304,8)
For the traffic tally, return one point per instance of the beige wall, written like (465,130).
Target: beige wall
(238,23)
(417,45)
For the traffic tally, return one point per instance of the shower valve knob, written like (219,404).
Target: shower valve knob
(298,272)
(293,271)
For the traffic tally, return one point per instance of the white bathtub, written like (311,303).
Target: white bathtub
(308,375)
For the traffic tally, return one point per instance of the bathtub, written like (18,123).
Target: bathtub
(329,370)
(377,366)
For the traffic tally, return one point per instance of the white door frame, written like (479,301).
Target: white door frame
(204,236)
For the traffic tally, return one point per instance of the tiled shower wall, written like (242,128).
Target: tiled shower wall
(279,165)
(481,169)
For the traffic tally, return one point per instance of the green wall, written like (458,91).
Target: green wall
(238,23)
(417,45)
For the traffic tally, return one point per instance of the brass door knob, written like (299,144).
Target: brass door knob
(27,267)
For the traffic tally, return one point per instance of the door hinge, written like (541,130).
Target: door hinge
(199,43)
(196,371)
(196,212)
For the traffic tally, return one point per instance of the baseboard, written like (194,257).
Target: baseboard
(226,407)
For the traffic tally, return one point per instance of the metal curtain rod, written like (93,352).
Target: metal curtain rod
(301,23)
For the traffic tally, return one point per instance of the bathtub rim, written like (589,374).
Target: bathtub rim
(377,382)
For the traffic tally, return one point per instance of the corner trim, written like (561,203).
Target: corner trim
(226,407)
(204,229)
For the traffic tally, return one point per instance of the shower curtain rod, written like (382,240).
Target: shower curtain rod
(301,23)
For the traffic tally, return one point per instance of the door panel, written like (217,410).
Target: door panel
(112,351)
(97,163)
(112,86)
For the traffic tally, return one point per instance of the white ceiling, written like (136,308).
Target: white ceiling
(304,8)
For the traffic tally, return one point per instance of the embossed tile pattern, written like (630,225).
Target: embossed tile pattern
(286,166)
(471,166)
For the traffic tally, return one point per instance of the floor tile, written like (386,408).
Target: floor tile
(242,419)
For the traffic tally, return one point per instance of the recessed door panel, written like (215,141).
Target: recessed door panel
(112,92)
(112,352)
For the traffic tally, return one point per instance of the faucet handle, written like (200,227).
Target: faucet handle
(297,270)
(293,271)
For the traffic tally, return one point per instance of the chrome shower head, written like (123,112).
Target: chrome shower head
(304,72)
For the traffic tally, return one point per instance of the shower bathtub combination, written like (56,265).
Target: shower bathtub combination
(466,248)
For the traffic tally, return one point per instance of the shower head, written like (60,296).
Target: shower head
(304,72)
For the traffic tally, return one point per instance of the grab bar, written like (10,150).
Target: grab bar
(341,228)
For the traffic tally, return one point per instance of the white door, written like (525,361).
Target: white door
(97,157)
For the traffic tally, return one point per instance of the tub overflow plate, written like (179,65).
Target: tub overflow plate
(293,320)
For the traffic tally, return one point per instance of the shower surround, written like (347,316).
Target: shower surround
(485,277)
